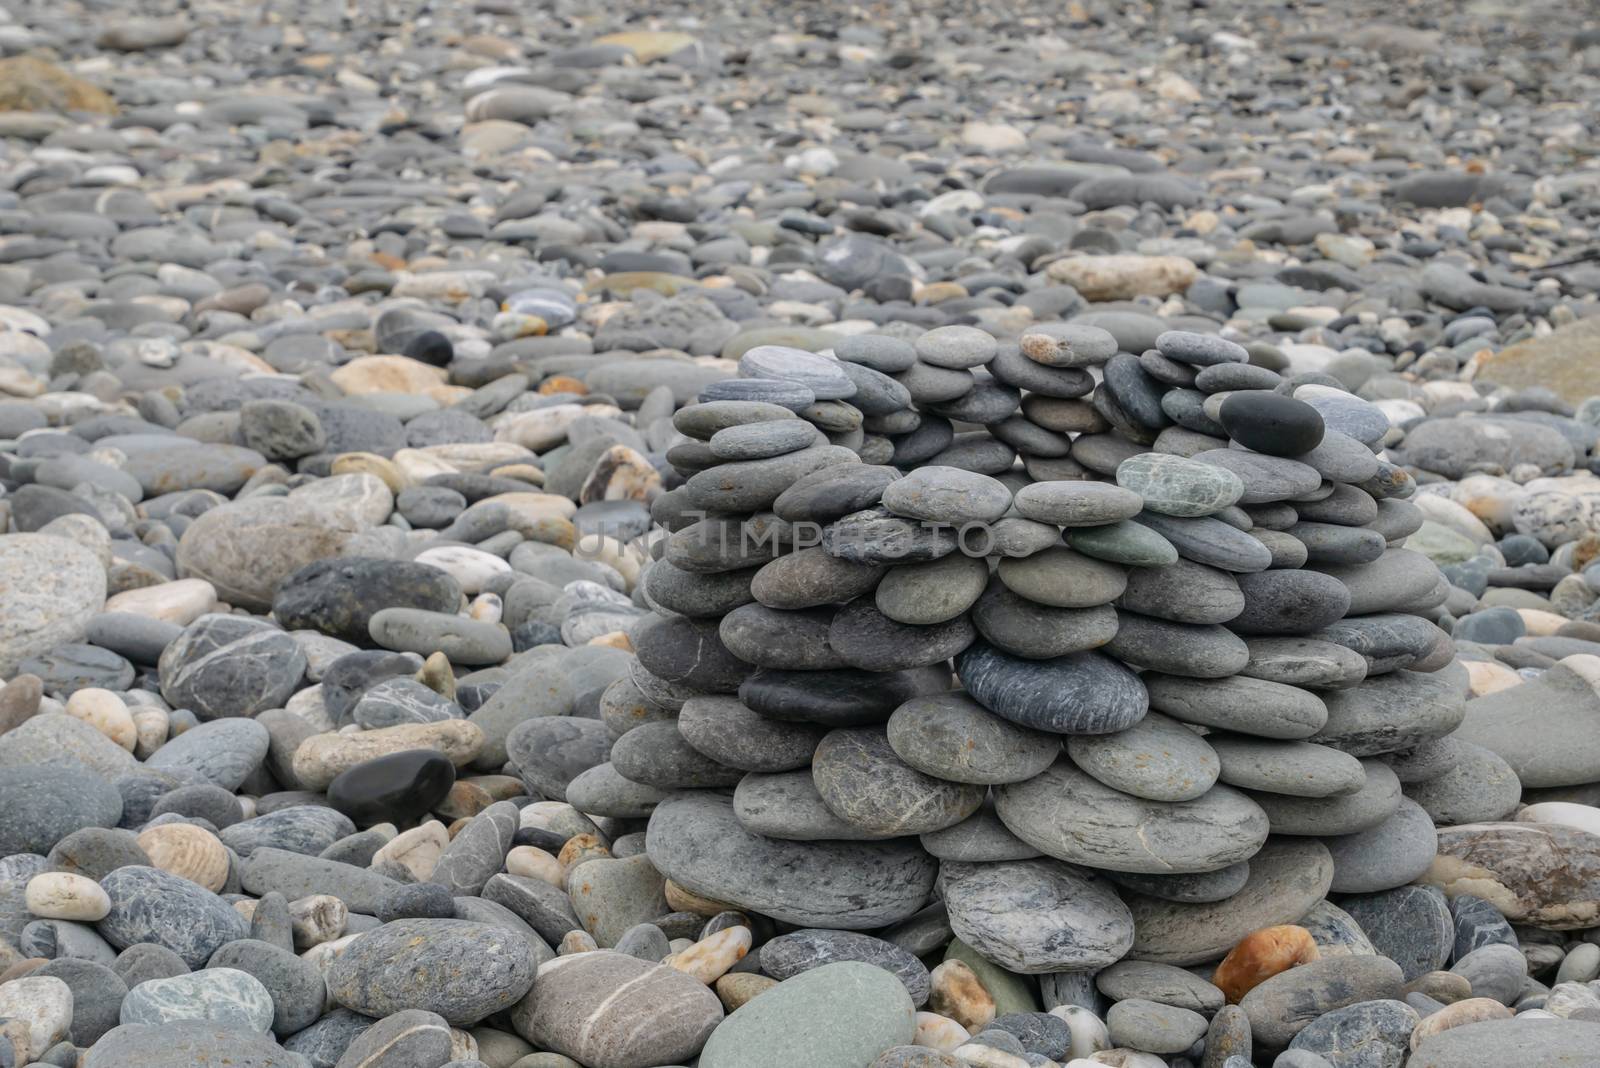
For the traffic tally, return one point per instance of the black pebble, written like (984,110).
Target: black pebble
(1269,422)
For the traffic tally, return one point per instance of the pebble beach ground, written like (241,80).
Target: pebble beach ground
(894,536)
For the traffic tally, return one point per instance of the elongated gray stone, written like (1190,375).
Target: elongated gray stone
(1036,916)
(1069,815)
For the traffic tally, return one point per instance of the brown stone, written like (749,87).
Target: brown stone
(30,84)
(736,988)
(959,994)
(1562,361)
(1472,1010)
(1539,874)
(1260,955)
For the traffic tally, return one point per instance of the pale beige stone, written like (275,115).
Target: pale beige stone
(531,862)
(59,895)
(710,958)
(317,919)
(1124,276)
(44,1004)
(957,992)
(387,374)
(417,850)
(181,601)
(151,727)
(106,713)
(189,852)
(940,1032)
(323,757)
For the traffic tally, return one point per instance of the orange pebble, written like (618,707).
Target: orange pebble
(1260,955)
(562,384)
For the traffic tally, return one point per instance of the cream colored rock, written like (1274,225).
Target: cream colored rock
(531,862)
(317,919)
(992,137)
(545,428)
(576,942)
(370,463)
(44,1004)
(710,958)
(939,1032)
(979,1055)
(387,374)
(648,46)
(621,474)
(472,568)
(463,1047)
(1126,1058)
(151,727)
(106,713)
(1490,676)
(472,456)
(181,601)
(1583,817)
(59,895)
(1089,1034)
(682,900)
(1471,1010)
(323,757)
(188,851)
(418,849)
(1541,624)
(1124,276)
(486,608)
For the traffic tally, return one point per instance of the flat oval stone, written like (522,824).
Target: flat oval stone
(550,751)
(1077,504)
(1411,925)
(833,492)
(866,784)
(148,905)
(947,495)
(1299,769)
(461,970)
(1269,422)
(786,805)
(224,996)
(1127,542)
(1069,815)
(835,698)
(1172,485)
(656,754)
(1025,628)
(698,843)
(932,592)
(867,1009)
(754,634)
(1063,578)
(1162,983)
(306,829)
(1394,712)
(1184,592)
(1358,810)
(396,788)
(1210,541)
(231,666)
(589,1005)
(1285,1004)
(1158,759)
(1395,852)
(810,578)
(1248,706)
(790,955)
(733,735)
(1080,693)
(1508,1042)
(224,751)
(1287,876)
(820,374)
(750,485)
(980,837)
(1304,662)
(1265,478)
(1035,916)
(1201,350)
(953,738)
(339,597)
(188,1042)
(1289,602)
(873,536)
(1199,650)
(866,638)
(690,652)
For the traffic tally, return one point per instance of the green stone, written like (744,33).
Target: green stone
(837,1016)
(1125,542)
(790,337)
(1011,992)
(1441,544)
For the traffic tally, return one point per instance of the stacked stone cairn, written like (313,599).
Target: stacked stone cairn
(1074,653)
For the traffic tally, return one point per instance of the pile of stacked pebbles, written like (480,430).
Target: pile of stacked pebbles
(1099,653)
